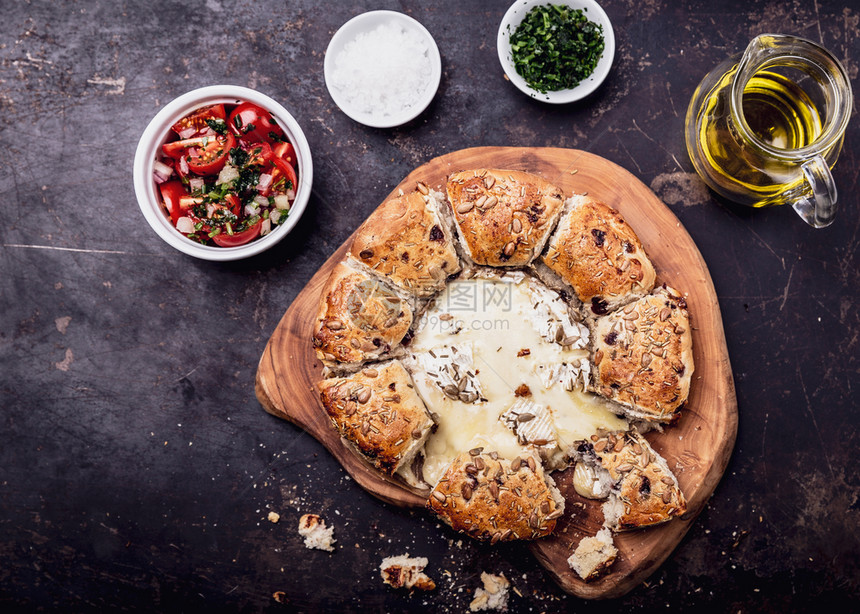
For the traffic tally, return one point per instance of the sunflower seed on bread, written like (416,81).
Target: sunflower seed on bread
(643,356)
(406,241)
(503,217)
(643,490)
(594,251)
(494,499)
(359,318)
(378,411)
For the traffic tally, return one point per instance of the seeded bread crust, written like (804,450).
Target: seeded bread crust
(406,241)
(379,412)
(359,318)
(645,492)
(643,356)
(493,499)
(597,253)
(504,217)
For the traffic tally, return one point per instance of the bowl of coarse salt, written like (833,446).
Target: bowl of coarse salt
(382,68)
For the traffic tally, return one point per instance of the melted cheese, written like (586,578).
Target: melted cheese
(510,325)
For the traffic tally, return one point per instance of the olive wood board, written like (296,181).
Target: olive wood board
(697,447)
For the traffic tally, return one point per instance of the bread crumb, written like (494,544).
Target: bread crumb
(316,534)
(493,595)
(274,516)
(280,597)
(593,556)
(401,571)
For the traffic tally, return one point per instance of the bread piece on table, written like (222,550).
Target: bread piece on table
(504,217)
(406,241)
(317,535)
(597,253)
(493,595)
(491,498)
(643,491)
(643,356)
(378,410)
(403,571)
(359,318)
(593,556)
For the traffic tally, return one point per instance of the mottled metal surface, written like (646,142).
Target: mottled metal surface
(137,468)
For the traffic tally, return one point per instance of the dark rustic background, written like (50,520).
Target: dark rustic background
(136,466)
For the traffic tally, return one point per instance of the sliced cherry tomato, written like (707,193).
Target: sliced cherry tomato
(172,193)
(234,204)
(187,201)
(258,153)
(284,151)
(197,120)
(287,169)
(254,123)
(205,155)
(239,238)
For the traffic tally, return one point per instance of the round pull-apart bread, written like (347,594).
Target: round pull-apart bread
(639,358)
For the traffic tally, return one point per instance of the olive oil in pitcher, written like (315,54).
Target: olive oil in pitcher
(764,128)
(779,112)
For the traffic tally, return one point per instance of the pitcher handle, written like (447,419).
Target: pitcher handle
(819,208)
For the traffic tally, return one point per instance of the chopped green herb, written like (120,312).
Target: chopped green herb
(218,125)
(554,48)
(276,137)
(238,156)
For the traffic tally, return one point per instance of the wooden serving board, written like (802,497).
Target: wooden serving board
(697,448)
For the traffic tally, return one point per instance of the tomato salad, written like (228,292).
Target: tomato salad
(228,175)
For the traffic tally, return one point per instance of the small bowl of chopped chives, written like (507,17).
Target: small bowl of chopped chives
(556,51)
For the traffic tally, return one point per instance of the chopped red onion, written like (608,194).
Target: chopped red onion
(160,171)
(251,210)
(264,182)
(185,225)
(187,132)
(196,184)
(183,165)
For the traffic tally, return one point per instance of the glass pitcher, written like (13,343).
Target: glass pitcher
(765,127)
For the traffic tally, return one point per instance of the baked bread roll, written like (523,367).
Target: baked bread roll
(643,356)
(504,217)
(595,252)
(359,318)
(379,412)
(643,490)
(406,241)
(494,499)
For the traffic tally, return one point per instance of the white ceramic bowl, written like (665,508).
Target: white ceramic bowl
(367,22)
(157,133)
(593,13)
